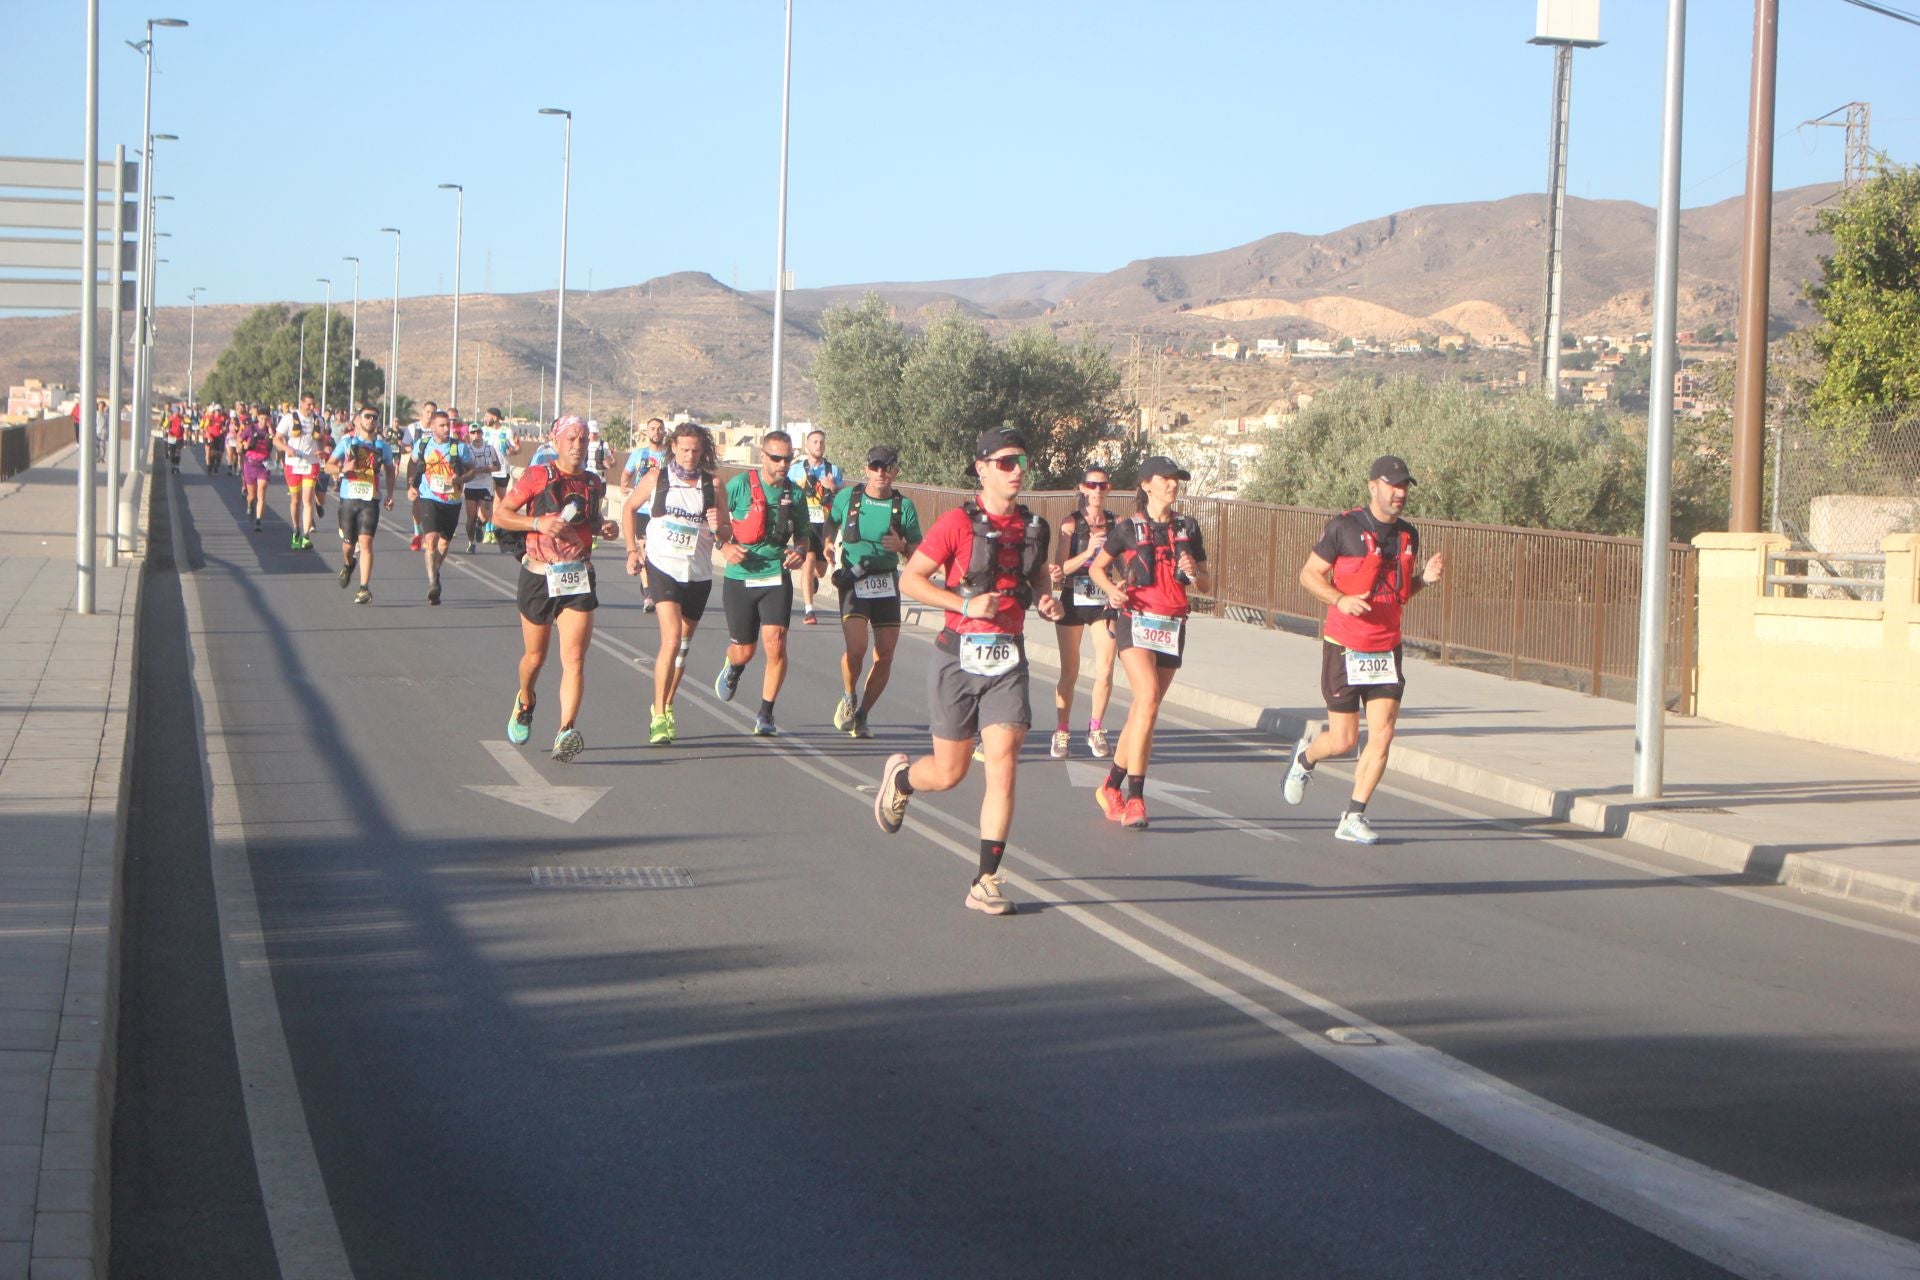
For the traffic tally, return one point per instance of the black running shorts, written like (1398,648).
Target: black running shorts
(1123,638)
(691,597)
(1342,696)
(539,608)
(751,608)
(442,518)
(359,518)
(879,611)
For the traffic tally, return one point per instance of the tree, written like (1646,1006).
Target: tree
(930,394)
(1869,297)
(1514,460)
(262,361)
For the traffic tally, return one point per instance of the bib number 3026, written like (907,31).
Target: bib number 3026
(1371,668)
(569,579)
(1157,632)
(988,653)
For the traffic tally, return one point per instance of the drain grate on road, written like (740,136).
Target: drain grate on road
(611,878)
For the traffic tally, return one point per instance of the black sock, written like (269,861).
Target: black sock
(1300,758)
(1136,785)
(900,782)
(991,852)
(1116,776)
(1355,806)
(766,707)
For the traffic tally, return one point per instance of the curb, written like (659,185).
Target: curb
(1642,824)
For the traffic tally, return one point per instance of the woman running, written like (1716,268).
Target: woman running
(255,442)
(673,509)
(1081,536)
(557,506)
(1158,552)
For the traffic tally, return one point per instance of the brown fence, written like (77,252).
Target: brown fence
(1532,604)
(23,445)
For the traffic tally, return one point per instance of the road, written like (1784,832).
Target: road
(384,1049)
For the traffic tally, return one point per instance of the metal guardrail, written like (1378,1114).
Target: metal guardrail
(23,444)
(1866,586)
(1534,604)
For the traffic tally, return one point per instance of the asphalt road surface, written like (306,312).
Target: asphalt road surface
(1575,1057)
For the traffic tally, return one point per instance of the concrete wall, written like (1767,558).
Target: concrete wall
(1845,672)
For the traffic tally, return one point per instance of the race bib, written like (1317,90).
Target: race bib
(1371,668)
(442,485)
(816,514)
(681,535)
(568,579)
(1086,594)
(299,467)
(878,586)
(1158,632)
(357,491)
(988,653)
(762,582)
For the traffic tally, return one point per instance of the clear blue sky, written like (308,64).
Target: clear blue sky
(929,141)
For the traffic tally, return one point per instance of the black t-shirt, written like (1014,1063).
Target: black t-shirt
(1122,537)
(1345,536)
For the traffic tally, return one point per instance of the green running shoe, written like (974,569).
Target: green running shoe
(520,723)
(660,731)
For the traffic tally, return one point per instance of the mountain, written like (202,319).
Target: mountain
(687,341)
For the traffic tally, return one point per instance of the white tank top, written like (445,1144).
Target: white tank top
(679,541)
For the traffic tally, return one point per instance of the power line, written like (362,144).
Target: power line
(1887,11)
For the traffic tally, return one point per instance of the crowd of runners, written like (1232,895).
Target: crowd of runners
(1118,582)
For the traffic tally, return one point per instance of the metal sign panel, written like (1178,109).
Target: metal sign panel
(64,255)
(58,295)
(1575,22)
(62,175)
(60,215)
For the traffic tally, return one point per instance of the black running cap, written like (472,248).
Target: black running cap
(1163,466)
(1391,469)
(994,439)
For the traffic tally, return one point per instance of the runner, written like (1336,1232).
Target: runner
(557,506)
(412,440)
(1158,552)
(297,439)
(1082,534)
(770,535)
(994,551)
(682,524)
(231,439)
(254,441)
(215,432)
(1363,570)
(505,444)
(358,462)
(819,478)
(444,467)
(326,433)
(649,457)
(479,487)
(599,457)
(872,527)
(176,435)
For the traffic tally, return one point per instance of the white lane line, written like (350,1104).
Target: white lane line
(1733,1224)
(306,1237)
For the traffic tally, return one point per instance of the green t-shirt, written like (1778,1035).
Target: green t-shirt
(765,556)
(876,515)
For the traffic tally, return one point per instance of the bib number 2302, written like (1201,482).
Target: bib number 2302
(1371,668)
(988,653)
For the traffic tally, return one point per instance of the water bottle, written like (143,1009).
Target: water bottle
(571,512)
(1181,537)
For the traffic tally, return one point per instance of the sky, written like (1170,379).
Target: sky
(929,141)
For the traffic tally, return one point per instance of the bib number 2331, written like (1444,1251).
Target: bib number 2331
(988,653)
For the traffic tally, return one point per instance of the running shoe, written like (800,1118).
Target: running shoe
(764,727)
(727,681)
(843,711)
(1298,777)
(1058,747)
(363,596)
(985,896)
(1097,745)
(859,729)
(346,574)
(414,543)
(294,542)
(256,526)
(433,591)
(660,730)
(646,602)
(1355,829)
(519,723)
(1111,801)
(890,803)
(809,619)
(567,744)
(1134,814)
(471,544)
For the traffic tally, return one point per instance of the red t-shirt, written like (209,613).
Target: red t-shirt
(583,490)
(949,544)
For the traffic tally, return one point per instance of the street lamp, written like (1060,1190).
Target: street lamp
(566,178)
(353,343)
(393,359)
(459,213)
(145,256)
(780,246)
(326,338)
(193,312)
(1564,28)
(143,331)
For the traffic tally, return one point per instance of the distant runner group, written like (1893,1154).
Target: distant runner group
(793,520)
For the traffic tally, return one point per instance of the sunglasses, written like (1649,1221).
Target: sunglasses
(779,457)
(1096,484)
(881,466)
(1012,462)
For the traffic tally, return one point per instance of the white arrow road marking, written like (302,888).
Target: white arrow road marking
(1082,774)
(531,791)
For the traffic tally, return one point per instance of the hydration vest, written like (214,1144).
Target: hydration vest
(983,563)
(754,527)
(661,486)
(588,489)
(853,516)
(1151,573)
(1360,575)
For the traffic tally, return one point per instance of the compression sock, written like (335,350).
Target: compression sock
(1354,806)
(1061,726)
(1093,725)
(901,781)
(766,707)
(1136,785)
(680,658)
(991,852)
(1300,758)
(1116,776)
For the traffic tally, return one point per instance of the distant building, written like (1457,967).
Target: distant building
(1269,348)
(1227,349)
(1409,347)
(1312,347)
(1452,342)
(34,399)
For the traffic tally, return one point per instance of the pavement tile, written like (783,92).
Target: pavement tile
(16,1222)
(62,1235)
(67,1269)
(13,1260)
(67,1151)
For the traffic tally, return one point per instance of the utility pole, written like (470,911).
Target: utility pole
(1858,124)
(1750,369)
(1565,27)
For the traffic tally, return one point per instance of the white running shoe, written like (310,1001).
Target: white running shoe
(985,896)
(889,805)
(1355,829)
(1097,744)
(1297,777)
(1058,747)
(843,712)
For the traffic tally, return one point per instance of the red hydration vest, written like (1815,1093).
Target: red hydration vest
(1383,581)
(1150,568)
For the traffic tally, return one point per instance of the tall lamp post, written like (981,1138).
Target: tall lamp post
(566,180)
(193,314)
(353,343)
(326,337)
(459,216)
(143,331)
(780,244)
(1565,27)
(144,259)
(393,359)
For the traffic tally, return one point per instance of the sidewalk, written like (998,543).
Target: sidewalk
(1819,818)
(65,731)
